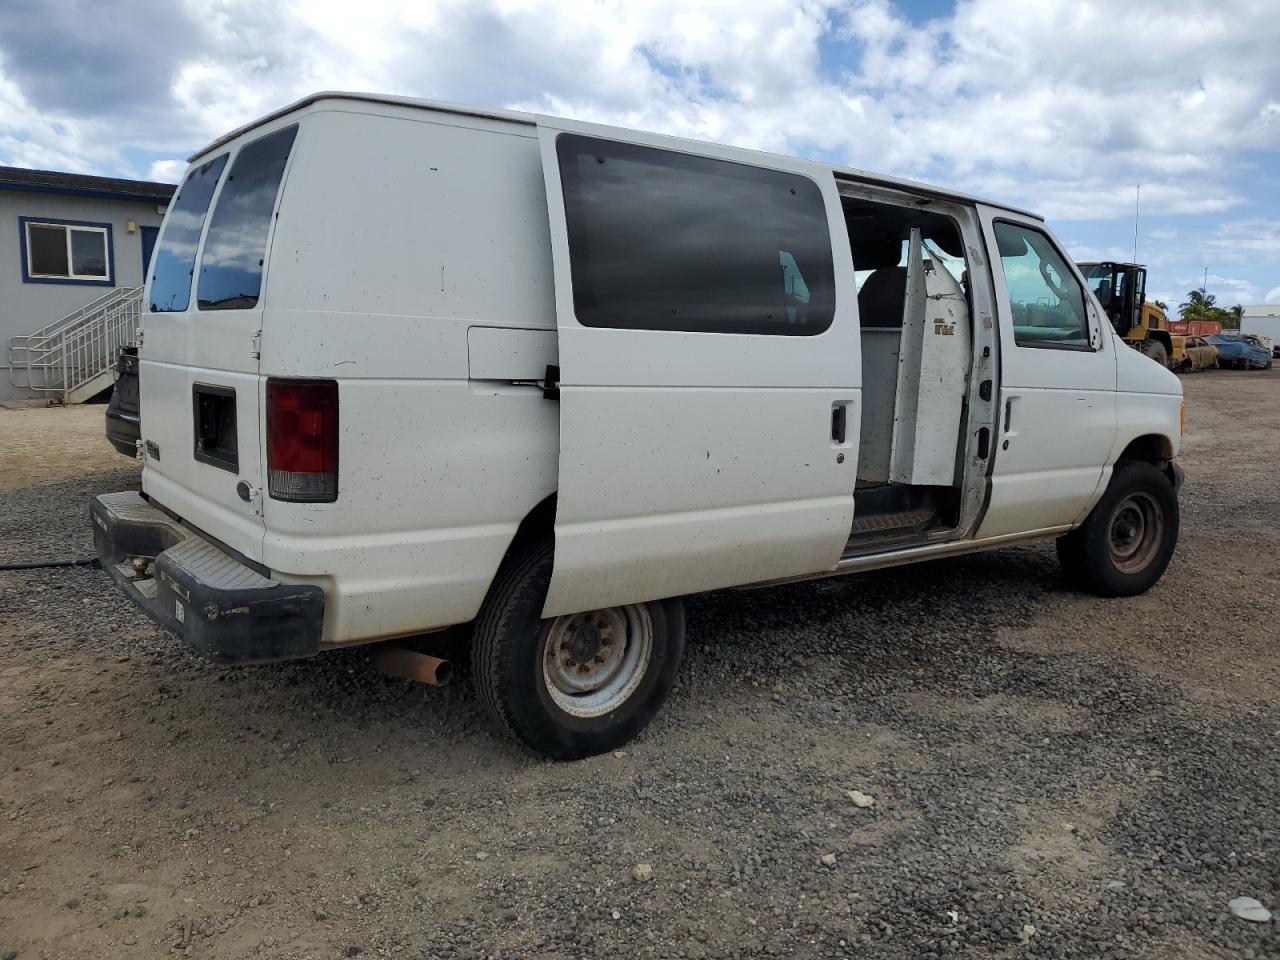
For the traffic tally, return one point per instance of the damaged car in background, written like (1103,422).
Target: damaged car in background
(1241,351)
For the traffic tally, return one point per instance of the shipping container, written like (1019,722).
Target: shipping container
(1195,328)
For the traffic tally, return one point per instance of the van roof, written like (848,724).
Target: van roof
(531,119)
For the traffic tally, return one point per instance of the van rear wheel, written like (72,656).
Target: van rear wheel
(1127,541)
(576,685)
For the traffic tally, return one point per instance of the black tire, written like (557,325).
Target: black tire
(1128,539)
(507,658)
(1157,352)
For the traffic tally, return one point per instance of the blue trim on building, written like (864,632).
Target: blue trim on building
(108,281)
(86,192)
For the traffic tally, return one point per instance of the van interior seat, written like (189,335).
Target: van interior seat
(883,296)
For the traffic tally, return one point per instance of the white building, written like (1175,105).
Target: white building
(1262,319)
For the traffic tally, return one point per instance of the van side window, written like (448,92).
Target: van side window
(175,257)
(231,267)
(1045,300)
(669,241)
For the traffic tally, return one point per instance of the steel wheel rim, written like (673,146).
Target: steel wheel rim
(1136,531)
(592,662)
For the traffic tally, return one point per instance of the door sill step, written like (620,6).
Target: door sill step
(870,534)
(884,522)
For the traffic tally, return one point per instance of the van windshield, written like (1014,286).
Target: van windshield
(234,250)
(175,257)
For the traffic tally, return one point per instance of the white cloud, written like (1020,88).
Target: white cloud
(1061,105)
(166,171)
(28,138)
(1227,290)
(1273,295)
(1247,241)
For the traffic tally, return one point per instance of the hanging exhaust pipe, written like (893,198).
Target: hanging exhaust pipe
(412,665)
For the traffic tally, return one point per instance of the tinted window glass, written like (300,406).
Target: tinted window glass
(231,267)
(667,241)
(175,258)
(88,253)
(1046,301)
(47,251)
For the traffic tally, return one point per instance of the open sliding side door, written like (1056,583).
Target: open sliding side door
(709,367)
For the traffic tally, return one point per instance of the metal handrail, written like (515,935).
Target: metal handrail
(80,347)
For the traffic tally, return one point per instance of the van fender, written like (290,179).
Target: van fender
(1156,448)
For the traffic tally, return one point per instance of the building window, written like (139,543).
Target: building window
(66,251)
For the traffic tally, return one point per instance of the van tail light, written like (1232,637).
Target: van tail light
(302,440)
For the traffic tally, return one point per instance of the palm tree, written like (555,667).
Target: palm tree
(1161,304)
(1197,304)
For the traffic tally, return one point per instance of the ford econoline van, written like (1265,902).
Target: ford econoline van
(406,366)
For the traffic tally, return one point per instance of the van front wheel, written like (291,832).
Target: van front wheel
(1126,542)
(576,685)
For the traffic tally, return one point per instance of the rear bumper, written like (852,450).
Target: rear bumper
(218,605)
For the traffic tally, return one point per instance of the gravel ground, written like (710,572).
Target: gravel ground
(1053,775)
(40,444)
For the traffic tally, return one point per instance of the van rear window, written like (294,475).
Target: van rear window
(669,241)
(175,257)
(231,266)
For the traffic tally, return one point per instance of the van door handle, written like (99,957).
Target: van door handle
(1010,406)
(839,422)
(1007,427)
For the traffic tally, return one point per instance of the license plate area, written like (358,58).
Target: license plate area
(214,410)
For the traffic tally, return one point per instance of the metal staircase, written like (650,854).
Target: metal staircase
(73,358)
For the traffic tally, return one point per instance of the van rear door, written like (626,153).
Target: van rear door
(200,386)
(709,367)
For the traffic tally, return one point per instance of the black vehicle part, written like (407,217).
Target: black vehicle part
(122,416)
(512,641)
(1128,539)
(219,605)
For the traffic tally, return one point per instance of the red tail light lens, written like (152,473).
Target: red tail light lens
(302,440)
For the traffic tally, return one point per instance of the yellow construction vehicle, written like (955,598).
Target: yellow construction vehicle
(1121,288)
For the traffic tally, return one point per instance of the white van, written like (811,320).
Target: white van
(407,365)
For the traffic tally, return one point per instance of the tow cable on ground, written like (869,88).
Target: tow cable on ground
(44,564)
